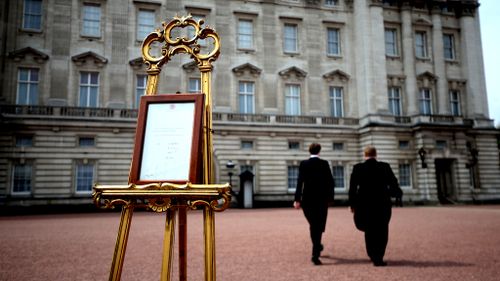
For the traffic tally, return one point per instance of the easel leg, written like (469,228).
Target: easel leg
(121,243)
(168,245)
(209,229)
(182,215)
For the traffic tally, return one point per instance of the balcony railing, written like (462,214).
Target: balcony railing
(222,117)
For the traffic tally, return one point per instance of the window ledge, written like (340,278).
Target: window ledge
(336,57)
(90,37)
(30,31)
(393,57)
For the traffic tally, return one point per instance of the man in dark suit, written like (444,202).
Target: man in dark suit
(371,187)
(315,187)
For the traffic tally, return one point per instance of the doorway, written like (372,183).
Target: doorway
(445,181)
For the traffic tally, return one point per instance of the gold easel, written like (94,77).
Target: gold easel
(169,197)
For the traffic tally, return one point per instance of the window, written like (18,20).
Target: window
(293,176)
(292,99)
(245,34)
(32,14)
(425,102)
(246,97)
(24,141)
(191,29)
(331,3)
(145,23)
(394,101)
(84,177)
(441,144)
(244,168)
(140,88)
(86,141)
(404,144)
(246,144)
(391,46)
(333,44)
(27,86)
(338,146)
(449,46)
(91,20)
(455,102)
(194,85)
(421,44)
(294,145)
(336,102)
(290,38)
(405,175)
(21,179)
(338,176)
(89,89)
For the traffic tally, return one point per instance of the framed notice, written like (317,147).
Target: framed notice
(168,139)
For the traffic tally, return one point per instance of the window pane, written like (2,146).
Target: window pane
(84,177)
(333,47)
(140,88)
(91,20)
(290,38)
(194,85)
(246,97)
(292,99)
(448,44)
(420,45)
(86,141)
(21,179)
(336,102)
(24,141)
(245,33)
(394,101)
(338,176)
(405,175)
(293,175)
(27,86)
(145,23)
(390,42)
(32,16)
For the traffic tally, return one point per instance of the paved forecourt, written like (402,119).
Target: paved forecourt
(426,243)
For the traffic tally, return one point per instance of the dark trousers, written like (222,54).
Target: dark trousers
(316,217)
(376,238)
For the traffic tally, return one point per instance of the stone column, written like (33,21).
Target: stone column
(410,95)
(371,84)
(473,66)
(441,95)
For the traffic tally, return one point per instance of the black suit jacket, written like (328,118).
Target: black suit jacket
(315,185)
(371,187)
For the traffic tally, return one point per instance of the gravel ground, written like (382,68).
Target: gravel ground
(426,243)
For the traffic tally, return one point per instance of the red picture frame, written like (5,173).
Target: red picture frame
(168,139)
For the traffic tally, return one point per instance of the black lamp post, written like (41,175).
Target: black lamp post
(421,153)
(230,166)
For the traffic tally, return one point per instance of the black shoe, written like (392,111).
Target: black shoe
(379,263)
(316,261)
(321,248)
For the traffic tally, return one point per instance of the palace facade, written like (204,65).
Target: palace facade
(404,76)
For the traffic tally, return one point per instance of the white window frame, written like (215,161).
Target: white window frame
(391,42)
(26,176)
(292,177)
(245,34)
(31,85)
(91,20)
(290,38)
(246,97)
(32,19)
(449,46)
(145,23)
(79,181)
(336,96)
(421,51)
(331,3)
(455,103)
(394,96)
(292,99)
(405,172)
(141,81)
(336,174)
(194,85)
(425,101)
(86,87)
(333,41)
